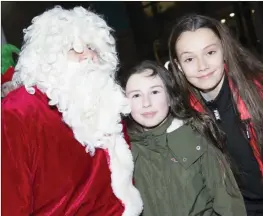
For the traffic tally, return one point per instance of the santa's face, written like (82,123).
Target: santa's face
(86,52)
(87,95)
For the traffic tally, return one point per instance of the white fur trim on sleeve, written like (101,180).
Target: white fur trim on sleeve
(121,166)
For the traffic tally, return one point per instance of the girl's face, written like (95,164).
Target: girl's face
(200,58)
(148,99)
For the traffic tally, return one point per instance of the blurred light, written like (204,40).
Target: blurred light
(144,3)
(232,14)
(223,20)
(163,6)
(148,11)
(253,11)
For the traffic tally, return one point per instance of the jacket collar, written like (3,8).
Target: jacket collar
(186,145)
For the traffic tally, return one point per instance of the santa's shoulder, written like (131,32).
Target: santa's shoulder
(23,104)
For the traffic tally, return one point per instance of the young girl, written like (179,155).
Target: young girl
(217,76)
(178,171)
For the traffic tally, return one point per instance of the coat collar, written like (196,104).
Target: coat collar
(186,144)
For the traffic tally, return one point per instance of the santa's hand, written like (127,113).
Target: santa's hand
(6,88)
(107,142)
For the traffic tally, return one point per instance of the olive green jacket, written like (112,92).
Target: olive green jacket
(179,173)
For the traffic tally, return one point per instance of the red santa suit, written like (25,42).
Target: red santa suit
(47,126)
(45,171)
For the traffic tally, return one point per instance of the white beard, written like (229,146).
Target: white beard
(90,102)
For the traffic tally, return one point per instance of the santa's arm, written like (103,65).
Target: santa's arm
(6,82)
(17,178)
(125,133)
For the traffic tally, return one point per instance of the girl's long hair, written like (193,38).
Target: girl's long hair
(244,70)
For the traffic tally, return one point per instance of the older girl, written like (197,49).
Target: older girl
(217,76)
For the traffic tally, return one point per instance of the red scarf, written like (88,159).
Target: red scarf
(244,115)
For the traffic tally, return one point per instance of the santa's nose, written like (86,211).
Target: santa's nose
(88,54)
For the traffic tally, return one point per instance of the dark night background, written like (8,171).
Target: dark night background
(142,28)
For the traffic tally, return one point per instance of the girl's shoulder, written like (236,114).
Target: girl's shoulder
(187,144)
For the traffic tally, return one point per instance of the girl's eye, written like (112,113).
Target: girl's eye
(136,96)
(211,52)
(188,60)
(155,92)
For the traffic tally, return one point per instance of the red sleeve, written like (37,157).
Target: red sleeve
(16,171)
(125,133)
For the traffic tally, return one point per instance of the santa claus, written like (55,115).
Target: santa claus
(63,151)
